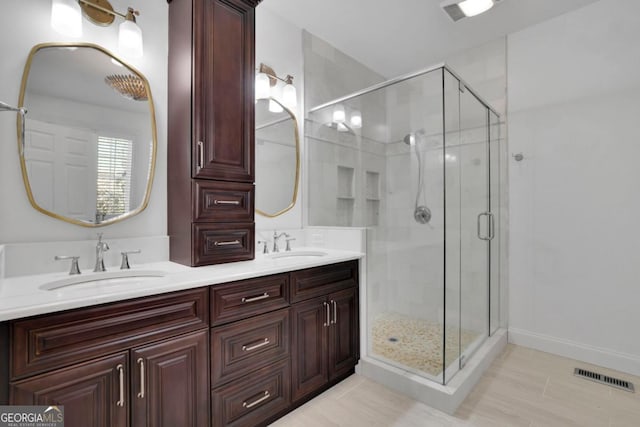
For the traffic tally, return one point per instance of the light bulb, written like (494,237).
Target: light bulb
(263,86)
(66,17)
(130,40)
(338,114)
(475,7)
(289,96)
(356,119)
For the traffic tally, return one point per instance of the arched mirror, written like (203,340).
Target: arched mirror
(277,158)
(89,146)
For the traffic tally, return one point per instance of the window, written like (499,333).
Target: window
(114,177)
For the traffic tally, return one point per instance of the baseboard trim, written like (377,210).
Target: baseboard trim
(623,362)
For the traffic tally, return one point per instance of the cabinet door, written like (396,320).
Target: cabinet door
(92,393)
(169,382)
(309,353)
(343,333)
(223,122)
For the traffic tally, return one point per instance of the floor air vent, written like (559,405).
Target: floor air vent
(604,379)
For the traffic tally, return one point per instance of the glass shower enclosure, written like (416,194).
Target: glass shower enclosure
(416,161)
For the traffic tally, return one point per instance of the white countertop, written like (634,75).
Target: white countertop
(21,296)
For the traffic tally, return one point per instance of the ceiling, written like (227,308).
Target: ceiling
(401,36)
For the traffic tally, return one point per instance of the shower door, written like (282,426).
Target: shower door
(470,224)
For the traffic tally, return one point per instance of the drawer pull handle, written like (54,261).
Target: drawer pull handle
(226,202)
(256,346)
(200,154)
(120,369)
(328,322)
(140,362)
(258,298)
(254,403)
(335,312)
(230,242)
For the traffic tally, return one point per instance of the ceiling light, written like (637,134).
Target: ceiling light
(459,9)
(475,7)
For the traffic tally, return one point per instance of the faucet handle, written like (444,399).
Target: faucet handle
(265,248)
(289,239)
(125,259)
(74,263)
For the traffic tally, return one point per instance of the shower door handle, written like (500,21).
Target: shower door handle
(480,215)
(492,225)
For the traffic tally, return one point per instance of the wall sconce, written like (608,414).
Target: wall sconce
(267,86)
(66,18)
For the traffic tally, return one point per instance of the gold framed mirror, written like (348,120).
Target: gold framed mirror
(88,150)
(277,158)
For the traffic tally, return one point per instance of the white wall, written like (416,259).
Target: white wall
(26,23)
(279,45)
(574,105)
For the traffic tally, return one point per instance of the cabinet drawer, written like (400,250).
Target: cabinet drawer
(253,400)
(244,346)
(318,281)
(56,340)
(239,300)
(220,243)
(217,201)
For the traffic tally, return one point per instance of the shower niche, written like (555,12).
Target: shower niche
(427,190)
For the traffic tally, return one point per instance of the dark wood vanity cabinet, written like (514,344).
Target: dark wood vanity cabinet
(155,375)
(211,150)
(234,354)
(325,328)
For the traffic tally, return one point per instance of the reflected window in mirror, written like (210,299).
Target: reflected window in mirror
(277,159)
(90,135)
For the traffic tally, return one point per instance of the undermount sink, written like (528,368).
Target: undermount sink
(105,278)
(298,254)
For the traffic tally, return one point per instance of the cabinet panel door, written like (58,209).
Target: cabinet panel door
(89,392)
(309,353)
(170,382)
(223,119)
(343,333)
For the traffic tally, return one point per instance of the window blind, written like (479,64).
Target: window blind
(114,176)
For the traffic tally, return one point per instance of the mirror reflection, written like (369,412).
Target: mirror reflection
(277,158)
(90,135)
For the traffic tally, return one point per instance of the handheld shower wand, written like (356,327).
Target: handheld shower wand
(421,213)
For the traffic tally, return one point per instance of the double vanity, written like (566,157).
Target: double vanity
(238,344)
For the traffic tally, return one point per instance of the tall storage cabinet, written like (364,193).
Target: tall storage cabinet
(211,131)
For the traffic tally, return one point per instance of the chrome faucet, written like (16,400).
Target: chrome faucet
(101,248)
(276,236)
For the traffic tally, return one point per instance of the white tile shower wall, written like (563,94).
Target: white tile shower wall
(19,222)
(574,85)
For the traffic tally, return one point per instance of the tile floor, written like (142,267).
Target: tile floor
(523,387)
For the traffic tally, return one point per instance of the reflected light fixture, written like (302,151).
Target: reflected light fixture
(356,119)
(129,86)
(339,115)
(459,9)
(66,18)
(267,86)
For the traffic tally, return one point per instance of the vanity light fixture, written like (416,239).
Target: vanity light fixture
(267,86)
(274,106)
(339,115)
(66,18)
(356,119)
(459,9)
